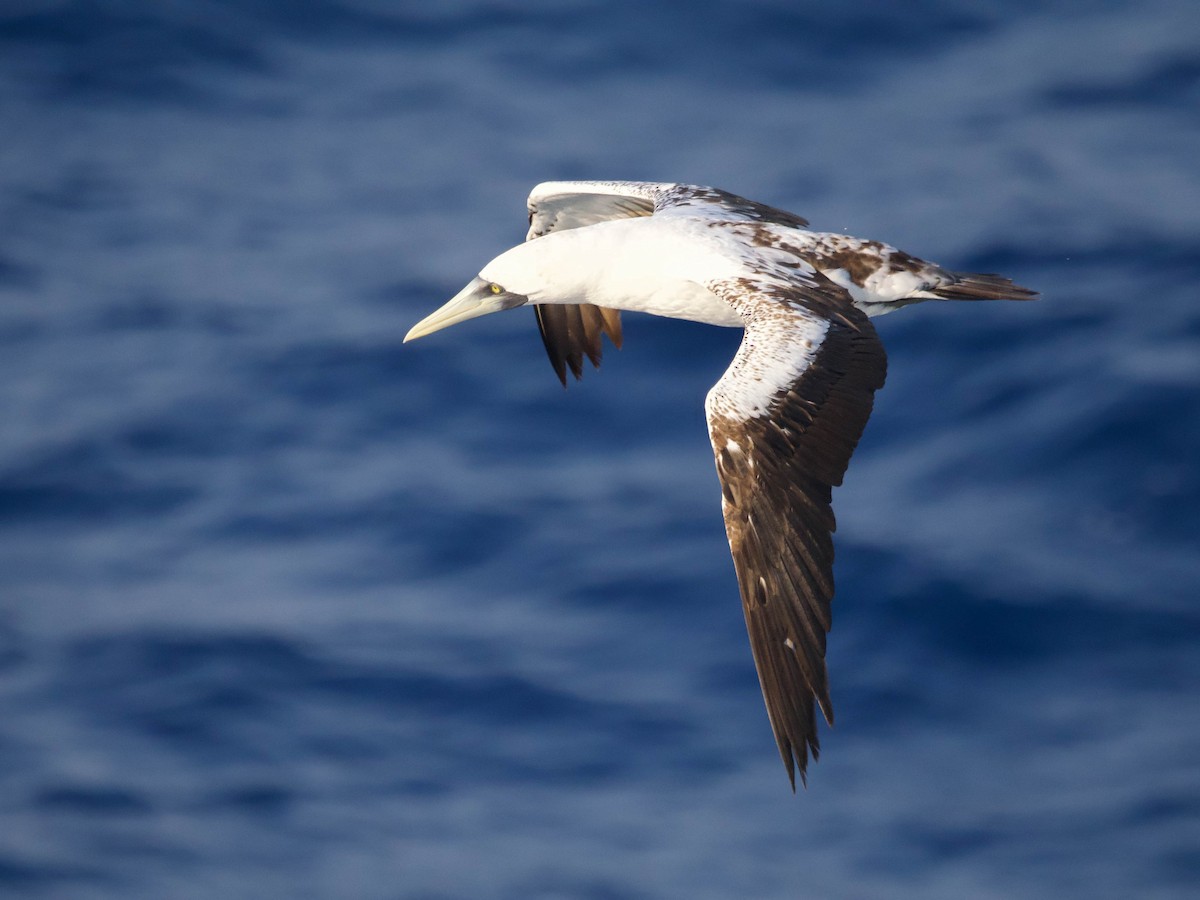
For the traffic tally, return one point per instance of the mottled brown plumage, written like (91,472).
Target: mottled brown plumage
(777,471)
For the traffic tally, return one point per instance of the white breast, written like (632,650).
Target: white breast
(659,267)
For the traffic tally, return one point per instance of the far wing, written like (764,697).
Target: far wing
(784,420)
(571,332)
(557,205)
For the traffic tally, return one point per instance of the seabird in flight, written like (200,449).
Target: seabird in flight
(786,415)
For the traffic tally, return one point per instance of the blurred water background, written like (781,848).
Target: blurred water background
(290,609)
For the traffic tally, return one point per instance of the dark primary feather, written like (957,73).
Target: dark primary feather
(570,332)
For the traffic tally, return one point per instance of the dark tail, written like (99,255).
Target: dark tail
(970,286)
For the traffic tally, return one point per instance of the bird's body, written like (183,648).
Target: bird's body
(644,265)
(784,418)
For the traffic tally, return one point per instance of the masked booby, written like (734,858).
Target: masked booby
(785,417)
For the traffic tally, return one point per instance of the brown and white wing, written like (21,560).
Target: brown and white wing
(571,332)
(784,420)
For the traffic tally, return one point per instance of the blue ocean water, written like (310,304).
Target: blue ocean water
(290,609)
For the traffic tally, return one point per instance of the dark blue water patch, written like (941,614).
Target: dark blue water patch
(237,700)
(16,873)
(14,646)
(1015,260)
(406,298)
(205,723)
(651,594)
(950,341)
(149,312)
(442,540)
(105,663)
(770,45)
(677,346)
(34,879)
(263,800)
(558,884)
(491,701)
(201,431)
(951,622)
(16,274)
(39,879)
(499,701)
(944,844)
(81,483)
(938,632)
(994,399)
(1142,255)
(881,708)
(154,54)
(400,536)
(1179,867)
(141,314)
(379,520)
(122,473)
(916,847)
(81,187)
(90,800)
(608,412)
(786,49)
(1137,458)
(209,699)
(151,53)
(937,354)
(360,376)
(1178,808)
(583,741)
(343,21)
(1172,84)
(22,333)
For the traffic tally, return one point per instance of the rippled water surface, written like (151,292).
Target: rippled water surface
(290,609)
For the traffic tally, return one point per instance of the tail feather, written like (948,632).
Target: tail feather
(972,286)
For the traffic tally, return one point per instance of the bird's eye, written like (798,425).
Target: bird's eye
(495,289)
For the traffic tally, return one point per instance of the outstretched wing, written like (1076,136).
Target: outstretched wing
(784,420)
(571,332)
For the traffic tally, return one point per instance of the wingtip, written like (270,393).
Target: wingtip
(796,763)
(802,772)
(561,366)
(826,705)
